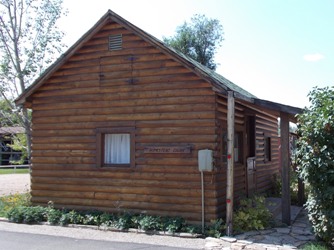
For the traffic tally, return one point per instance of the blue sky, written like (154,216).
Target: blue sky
(276,49)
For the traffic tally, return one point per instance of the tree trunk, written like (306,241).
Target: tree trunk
(26,124)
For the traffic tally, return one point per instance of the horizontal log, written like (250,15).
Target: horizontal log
(118,174)
(120,197)
(124,52)
(61,167)
(65,159)
(114,182)
(64,153)
(176,131)
(125,110)
(171,161)
(118,189)
(86,125)
(63,146)
(176,138)
(127,204)
(111,94)
(126,117)
(64,139)
(126,44)
(175,123)
(51,104)
(64,132)
(65,194)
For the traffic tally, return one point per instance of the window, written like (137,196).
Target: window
(267,148)
(115,147)
(237,147)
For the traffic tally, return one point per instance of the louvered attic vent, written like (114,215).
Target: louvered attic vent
(115,42)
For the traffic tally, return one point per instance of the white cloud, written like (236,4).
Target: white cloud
(313,57)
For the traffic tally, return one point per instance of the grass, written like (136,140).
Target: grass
(14,171)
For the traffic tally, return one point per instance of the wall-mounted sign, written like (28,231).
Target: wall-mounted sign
(167,150)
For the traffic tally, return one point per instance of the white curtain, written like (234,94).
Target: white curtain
(117,149)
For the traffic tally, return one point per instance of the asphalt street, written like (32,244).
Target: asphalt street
(28,241)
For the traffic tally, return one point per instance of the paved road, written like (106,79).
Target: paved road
(10,233)
(27,241)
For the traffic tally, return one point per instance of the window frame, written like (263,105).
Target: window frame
(100,148)
(267,148)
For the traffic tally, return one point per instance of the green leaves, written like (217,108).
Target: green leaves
(316,160)
(29,40)
(198,39)
(252,214)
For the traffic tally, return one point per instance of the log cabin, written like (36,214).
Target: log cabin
(119,122)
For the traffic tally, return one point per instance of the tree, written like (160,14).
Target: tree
(29,42)
(8,117)
(198,39)
(316,160)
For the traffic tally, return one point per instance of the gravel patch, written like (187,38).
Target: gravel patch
(14,183)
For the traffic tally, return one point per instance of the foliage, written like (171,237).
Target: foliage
(11,201)
(316,160)
(8,117)
(29,41)
(24,214)
(315,246)
(277,186)
(53,215)
(21,212)
(252,214)
(174,224)
(123,221)
(216,228)
(147,222)
(19,144)
(198,39)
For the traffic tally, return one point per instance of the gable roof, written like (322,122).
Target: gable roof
(219,83)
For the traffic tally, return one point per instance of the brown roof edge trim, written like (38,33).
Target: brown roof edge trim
(278,107)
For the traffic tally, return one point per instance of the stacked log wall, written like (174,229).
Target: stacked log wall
(266,126)
(140,87)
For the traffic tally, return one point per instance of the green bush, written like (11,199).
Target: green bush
(123,221)
(252,214)
(148,222)
(173,224)
(11,201)
(53,216)
(16,214)
(34,214)
(216,229)
(22,214)
(29,214)
(316,160)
